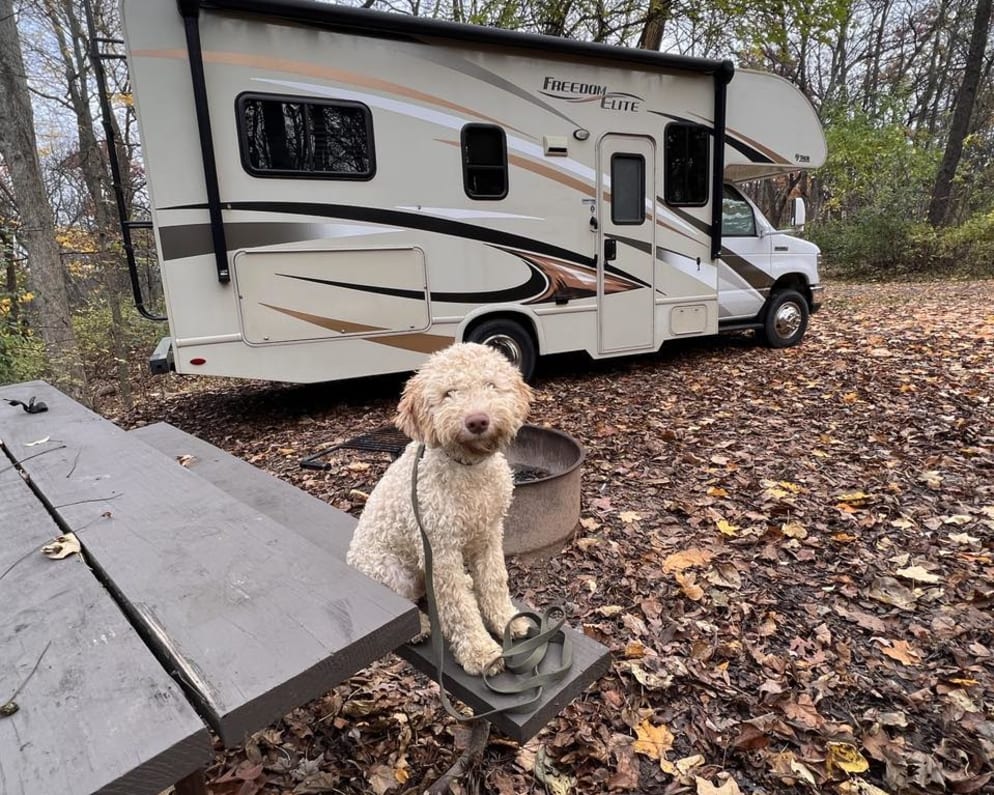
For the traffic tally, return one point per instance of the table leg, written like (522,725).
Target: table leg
(193,784)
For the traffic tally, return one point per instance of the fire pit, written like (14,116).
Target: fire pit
(546,505)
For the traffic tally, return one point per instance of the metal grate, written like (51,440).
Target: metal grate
(382,440)
(385,440)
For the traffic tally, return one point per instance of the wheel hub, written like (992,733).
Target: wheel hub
(507,346)
(788,320)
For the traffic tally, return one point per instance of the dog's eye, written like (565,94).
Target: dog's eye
(491,385)
(449,393)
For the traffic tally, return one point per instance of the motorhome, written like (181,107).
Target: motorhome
(338,192)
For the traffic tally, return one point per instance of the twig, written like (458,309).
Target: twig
(75,461)
(474,750)
(25,556)
(16,464)
(81,502)
(9,707)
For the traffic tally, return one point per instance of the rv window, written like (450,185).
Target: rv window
(686,169)
(484,161)
(737,219)
(298,137)
(627,189)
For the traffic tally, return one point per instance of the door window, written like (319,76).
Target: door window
(627,189)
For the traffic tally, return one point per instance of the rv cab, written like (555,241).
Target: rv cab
(784,289)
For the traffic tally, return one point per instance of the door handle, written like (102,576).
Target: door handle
(610,249)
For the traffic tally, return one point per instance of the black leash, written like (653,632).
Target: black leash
(521,657)
(31,407)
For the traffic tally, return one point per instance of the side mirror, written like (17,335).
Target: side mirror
(798,214)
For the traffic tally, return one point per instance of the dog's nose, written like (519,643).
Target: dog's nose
(477,423)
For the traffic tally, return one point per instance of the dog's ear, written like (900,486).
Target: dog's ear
(523,395)
(407,412)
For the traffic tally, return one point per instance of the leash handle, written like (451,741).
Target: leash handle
(519,656)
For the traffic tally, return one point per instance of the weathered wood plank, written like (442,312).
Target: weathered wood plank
(255,619)
(99,714)
(294,508)
(330,530)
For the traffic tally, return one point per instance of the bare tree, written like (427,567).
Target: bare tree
(50,316)
(966,97)
(72,42)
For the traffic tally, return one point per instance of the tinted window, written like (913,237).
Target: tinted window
(484,161)
(627,189)
(686,164)
(737,219)
(288,136)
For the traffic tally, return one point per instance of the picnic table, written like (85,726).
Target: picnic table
(208,598)
(187,610)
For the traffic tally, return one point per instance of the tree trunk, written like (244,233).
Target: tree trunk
(72,40)
(10,273)
(46,278)
(966,97)
(651,37)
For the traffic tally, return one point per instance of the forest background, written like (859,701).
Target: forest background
(904,90)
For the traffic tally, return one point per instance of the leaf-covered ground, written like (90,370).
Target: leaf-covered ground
(789,554)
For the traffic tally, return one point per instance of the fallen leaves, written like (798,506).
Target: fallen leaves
(902,651)
(793,571)
(62,547)
(654,742)
(918,574)
(686,559)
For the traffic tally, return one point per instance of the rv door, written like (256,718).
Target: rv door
(627,243)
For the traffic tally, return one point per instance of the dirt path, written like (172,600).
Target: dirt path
(789,552)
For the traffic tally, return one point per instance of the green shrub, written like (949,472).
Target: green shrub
(22,355)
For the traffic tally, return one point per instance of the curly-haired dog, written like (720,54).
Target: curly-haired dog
(466,404)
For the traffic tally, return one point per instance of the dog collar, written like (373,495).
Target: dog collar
(444,452)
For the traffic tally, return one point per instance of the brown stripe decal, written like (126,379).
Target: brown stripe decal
(321,72)
(753,275)
(420,343)
(542,170)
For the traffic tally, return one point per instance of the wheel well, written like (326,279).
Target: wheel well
(515,317)
(793,281)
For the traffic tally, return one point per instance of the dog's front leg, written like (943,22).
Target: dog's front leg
(459,616)
(490,580)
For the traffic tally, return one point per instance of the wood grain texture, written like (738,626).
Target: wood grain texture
(295,508)
(99,714)
(268,495)
(253,618)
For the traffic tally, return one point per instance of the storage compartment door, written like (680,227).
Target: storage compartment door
(292,296)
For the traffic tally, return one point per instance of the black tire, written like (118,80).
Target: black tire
(511,339)
(786,319)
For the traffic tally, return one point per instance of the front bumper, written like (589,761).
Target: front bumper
(817,297)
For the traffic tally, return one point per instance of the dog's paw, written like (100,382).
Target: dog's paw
(477,659)
(520,627)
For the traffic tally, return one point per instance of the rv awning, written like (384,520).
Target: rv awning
(379,23)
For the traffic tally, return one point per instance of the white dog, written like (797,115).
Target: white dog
(465,404)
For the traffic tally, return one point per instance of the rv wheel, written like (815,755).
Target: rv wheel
(510,339)
(786,319)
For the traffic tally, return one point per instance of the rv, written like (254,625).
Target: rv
(339,192)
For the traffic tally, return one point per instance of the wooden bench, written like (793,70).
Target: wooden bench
(191,601)
(332,529)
